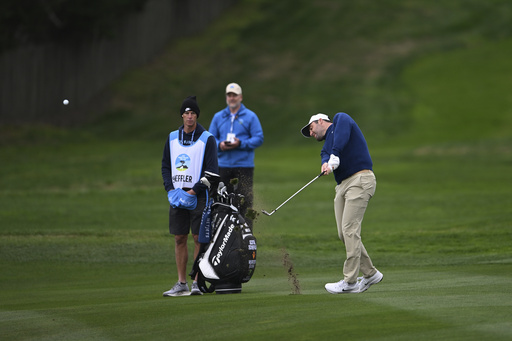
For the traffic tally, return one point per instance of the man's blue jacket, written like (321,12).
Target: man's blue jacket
(246,127)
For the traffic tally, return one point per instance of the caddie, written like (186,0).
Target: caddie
(189,152)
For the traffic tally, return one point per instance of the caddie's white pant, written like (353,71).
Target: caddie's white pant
(350,202)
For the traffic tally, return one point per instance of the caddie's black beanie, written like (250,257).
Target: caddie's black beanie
(190,104)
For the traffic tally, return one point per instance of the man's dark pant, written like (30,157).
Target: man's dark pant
(244,186)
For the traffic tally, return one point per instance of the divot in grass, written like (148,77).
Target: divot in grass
(292,276)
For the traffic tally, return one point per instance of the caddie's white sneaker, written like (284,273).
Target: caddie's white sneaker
(367,282)
(179,289)
(342,287)
(195,289)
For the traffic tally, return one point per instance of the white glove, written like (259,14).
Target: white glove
(334,162)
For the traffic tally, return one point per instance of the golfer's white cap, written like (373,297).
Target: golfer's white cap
(234,88)
(305,130)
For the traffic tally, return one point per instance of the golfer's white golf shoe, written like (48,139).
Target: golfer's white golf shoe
(365,283)
(342,287)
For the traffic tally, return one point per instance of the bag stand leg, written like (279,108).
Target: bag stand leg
(228,288)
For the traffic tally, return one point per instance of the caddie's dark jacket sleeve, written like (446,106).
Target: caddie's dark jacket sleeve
(166,167)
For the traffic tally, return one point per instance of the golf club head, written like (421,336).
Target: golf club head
(224,192)
(220,186)
(212,178)
(205,181)
(266,213)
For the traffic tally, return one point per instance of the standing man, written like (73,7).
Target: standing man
(238,133)
(188,153)
(345,153)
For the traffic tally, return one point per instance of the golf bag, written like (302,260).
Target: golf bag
(227,257)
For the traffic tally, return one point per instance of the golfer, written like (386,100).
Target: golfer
(188,153)
(345,153)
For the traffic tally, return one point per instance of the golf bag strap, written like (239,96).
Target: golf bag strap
(201,283)
(195,266)
(201,280)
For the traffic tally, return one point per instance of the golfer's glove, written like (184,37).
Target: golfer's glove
(334,162)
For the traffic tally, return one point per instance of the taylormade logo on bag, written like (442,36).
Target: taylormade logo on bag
(215,259)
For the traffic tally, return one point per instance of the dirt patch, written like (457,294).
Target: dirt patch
(292,276)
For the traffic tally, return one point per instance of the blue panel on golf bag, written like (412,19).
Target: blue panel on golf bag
(205,230)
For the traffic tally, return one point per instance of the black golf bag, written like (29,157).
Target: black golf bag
(229,258)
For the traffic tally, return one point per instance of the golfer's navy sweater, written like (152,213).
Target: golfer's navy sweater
(210,162)
(345,140)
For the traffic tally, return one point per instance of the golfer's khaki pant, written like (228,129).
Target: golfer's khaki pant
(350,202)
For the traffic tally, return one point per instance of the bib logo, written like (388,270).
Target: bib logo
(182,162)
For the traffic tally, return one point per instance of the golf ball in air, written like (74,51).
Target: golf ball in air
(65,102)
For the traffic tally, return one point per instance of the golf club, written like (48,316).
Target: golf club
(309,183)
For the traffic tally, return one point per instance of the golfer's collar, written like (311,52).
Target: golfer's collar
(330,130)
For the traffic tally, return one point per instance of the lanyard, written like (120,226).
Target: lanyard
(191,142)
(233,117)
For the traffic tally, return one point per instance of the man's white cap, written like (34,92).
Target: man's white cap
(305,130)
(234,88)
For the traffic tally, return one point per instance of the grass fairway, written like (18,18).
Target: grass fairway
(84,248)
(92,262)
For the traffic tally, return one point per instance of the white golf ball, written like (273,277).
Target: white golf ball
(65,102)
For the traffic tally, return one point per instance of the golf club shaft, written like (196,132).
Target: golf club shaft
(306,185)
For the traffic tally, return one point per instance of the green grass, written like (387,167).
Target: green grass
(84,247)
(421,303)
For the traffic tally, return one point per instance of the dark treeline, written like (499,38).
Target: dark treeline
(41,21)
